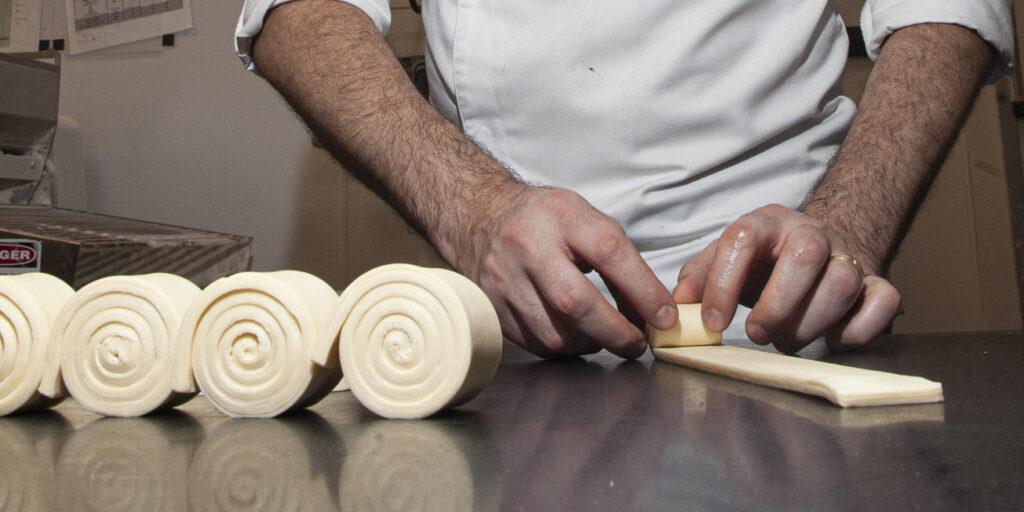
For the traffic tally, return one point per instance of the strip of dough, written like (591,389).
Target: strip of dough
(690,344)
(117,339)
(842,385)
(413,340)
(251,336)
(29,304)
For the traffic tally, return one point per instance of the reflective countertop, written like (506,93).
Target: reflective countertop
(594,433)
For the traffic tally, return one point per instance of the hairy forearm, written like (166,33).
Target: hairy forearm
(328,60)
(916,99)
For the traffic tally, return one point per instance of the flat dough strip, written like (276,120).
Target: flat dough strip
(842,385)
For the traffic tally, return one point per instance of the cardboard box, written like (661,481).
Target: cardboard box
(81,247)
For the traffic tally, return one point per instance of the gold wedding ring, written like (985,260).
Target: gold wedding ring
(851,260)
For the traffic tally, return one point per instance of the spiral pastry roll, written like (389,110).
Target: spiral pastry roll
(117,340)
(29,304)
(413,340)
(252,336)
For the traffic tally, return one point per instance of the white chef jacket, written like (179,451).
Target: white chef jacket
(673,117)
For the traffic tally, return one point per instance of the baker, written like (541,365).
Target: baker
(580,159)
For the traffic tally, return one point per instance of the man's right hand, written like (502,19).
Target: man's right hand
(530,253)
(527,247)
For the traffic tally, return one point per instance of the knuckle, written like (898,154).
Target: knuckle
(890,296)
(810,252)
(611,246)
(552,340)
(771,210)
(740,234)
(847,279)
(571,301)
(809,249)
(491,266)
(514,232)
(558,199)
(771,314)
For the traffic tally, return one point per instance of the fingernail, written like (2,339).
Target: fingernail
(714,320)
(757,334)
(666,317)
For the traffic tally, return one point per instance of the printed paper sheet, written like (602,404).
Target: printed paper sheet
(95,24)
(19,25)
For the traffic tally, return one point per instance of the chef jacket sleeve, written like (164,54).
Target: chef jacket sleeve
(250,22)
(990,19)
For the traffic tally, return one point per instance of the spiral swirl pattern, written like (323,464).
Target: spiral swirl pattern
(413,340)
(29,303)
(117,339)
(251,336)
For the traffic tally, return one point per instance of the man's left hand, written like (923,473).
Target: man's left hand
(784,264)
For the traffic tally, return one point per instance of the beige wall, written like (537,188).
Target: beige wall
(185,135)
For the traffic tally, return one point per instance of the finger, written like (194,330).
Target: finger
(836,292)
(871,316)
(800,262)
(548,341)
(574,299)
(736,252)
(604,245)
(525,318)
(623,305)
(694,276)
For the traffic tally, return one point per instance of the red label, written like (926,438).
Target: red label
(11,255)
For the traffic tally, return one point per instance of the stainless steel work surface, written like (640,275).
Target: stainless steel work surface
(595,433)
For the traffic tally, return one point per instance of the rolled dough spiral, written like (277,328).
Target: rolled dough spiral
(413,340)
(117,338)
(252,335)
(29,304)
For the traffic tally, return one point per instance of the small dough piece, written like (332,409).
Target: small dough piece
(687,332)
(412,340)
(29,304)
(251,336)
(842,385)
(117,338)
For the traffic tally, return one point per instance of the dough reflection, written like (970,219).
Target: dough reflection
(788,460)
(286,463)
(127,464)
(30,445)
(414,466)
